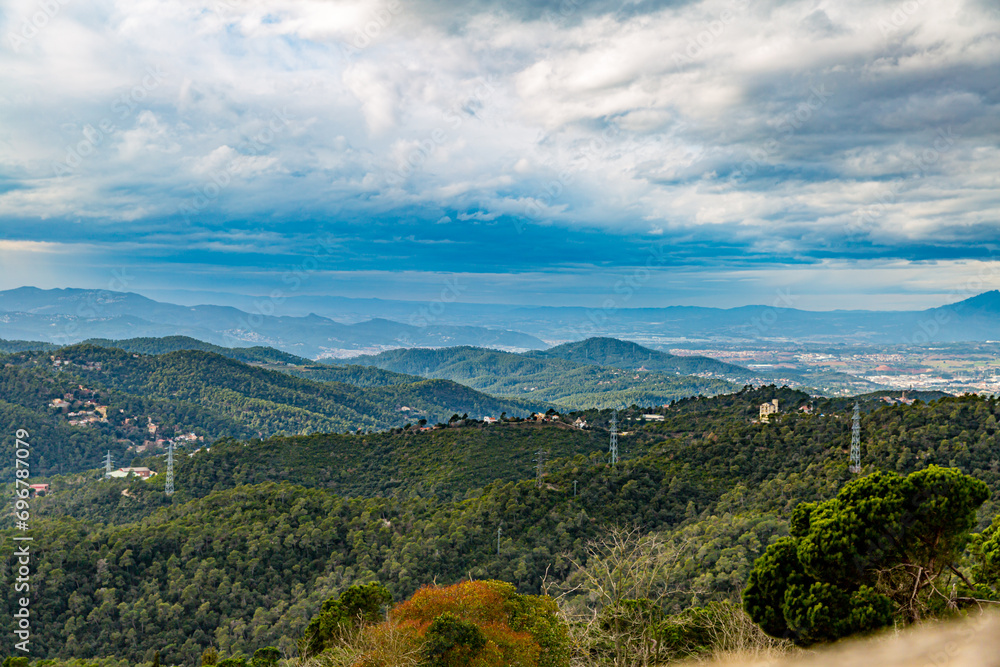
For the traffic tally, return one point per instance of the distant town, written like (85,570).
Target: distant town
(848,370)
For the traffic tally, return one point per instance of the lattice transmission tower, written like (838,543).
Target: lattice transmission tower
(108,463)
(169,488)
(856,441)
(613,448)
(540,466)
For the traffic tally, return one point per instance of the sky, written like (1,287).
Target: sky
(714,152)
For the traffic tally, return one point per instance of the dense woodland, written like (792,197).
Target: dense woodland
(210,395)
(566,376)
(624,354)
(261,533)
(267,357)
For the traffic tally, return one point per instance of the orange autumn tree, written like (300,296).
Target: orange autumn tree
(482,624)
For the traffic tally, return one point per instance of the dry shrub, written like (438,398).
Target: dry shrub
(482,603)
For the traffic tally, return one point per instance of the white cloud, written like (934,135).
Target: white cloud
(629,124)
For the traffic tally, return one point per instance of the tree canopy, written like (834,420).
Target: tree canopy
(885,547)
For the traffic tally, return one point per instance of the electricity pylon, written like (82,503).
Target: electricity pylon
(540,466)
(856,441)
(169,488)
(613,449)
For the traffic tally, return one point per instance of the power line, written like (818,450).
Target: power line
(856,441)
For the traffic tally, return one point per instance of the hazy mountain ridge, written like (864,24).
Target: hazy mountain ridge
(976,318)
(973,319)
(73,315)
(312,327)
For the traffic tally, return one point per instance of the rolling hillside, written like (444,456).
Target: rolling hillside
(244,566)
(445,463)
(8,346)
(267,357)
(568,383)
(624,354)
(205,394)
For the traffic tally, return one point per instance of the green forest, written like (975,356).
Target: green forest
(262,534)
(207,394)
(566,382)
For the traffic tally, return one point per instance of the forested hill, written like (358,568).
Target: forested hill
(155,346)
(267,357)
(567,383)
(625,354)
(587,377)
(8,346)
(247,567)
(447,463)
(275,402)
(86,400)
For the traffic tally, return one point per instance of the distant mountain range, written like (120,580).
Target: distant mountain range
(313,327)
(975,319)
(66,316)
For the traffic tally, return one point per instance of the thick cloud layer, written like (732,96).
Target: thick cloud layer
(567,138)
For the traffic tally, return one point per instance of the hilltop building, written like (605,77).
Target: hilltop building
(144,473)
(768,409)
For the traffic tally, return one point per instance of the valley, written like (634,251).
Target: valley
(261,531)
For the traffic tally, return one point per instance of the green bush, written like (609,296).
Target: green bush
(452,641)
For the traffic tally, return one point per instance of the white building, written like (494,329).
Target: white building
(768,409)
